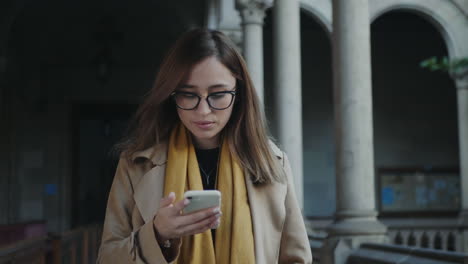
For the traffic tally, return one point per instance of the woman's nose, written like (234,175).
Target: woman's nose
(203,107)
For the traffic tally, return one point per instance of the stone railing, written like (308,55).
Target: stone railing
(433,233)
(10,234)
(442,234)
(444,239)
(317,234)
(76,246)
(31,251)
(385,254)
(316,243)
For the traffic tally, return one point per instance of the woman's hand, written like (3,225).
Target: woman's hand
(170,223)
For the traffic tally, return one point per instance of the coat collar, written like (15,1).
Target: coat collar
(157,154)
(278,153)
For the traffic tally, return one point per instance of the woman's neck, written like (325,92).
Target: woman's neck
(210,143)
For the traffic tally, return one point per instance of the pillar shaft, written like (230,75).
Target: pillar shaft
(355,220)
(288,88)
(353,120)
(253,52)
(462,97)
(252,14)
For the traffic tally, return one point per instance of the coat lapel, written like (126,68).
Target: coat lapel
(149,190)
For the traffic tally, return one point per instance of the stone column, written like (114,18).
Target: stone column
(462,97)
(252,13)
(355,220)
(287,81)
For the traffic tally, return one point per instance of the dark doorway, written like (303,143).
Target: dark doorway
(96,129)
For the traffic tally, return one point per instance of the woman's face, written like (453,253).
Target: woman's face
(205,123)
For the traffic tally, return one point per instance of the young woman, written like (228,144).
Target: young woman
(201,127)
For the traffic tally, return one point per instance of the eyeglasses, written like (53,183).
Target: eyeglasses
(216,100)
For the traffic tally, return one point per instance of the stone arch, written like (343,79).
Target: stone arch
(320,11)
(447,18)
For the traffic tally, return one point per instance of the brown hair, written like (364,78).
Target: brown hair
(246,131)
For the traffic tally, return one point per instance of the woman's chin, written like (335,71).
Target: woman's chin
(206,139)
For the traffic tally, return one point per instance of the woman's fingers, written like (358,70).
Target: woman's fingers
(201,226)
(170,223)
(196,217)
(166,201)
(180,205)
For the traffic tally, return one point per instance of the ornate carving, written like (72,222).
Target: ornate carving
(253,11)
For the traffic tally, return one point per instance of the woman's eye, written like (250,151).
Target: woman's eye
(217,96)
(188,96)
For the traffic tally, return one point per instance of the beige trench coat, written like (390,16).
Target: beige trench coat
(128,236)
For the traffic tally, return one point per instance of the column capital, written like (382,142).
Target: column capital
(253,11)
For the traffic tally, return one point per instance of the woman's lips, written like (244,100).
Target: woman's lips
(204,124)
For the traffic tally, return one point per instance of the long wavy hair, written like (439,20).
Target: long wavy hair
(246,131)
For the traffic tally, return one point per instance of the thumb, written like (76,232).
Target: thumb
(168,200)
(180,205)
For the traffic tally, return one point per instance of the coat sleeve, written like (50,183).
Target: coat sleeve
(121,242)
(295,247)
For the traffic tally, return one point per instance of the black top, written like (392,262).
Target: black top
(208,163)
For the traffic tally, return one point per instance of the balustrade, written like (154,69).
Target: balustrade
(77,246)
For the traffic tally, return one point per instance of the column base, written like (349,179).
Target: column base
(357,227)
(336,250)
(346,235)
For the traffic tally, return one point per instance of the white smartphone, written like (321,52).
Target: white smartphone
(202,200)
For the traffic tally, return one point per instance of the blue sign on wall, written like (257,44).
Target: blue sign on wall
(51,189)
(388,196)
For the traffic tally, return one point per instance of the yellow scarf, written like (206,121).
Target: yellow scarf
(234,236)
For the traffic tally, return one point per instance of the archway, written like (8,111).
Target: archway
(415,117)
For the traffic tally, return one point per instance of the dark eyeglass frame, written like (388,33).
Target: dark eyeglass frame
(233,93)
